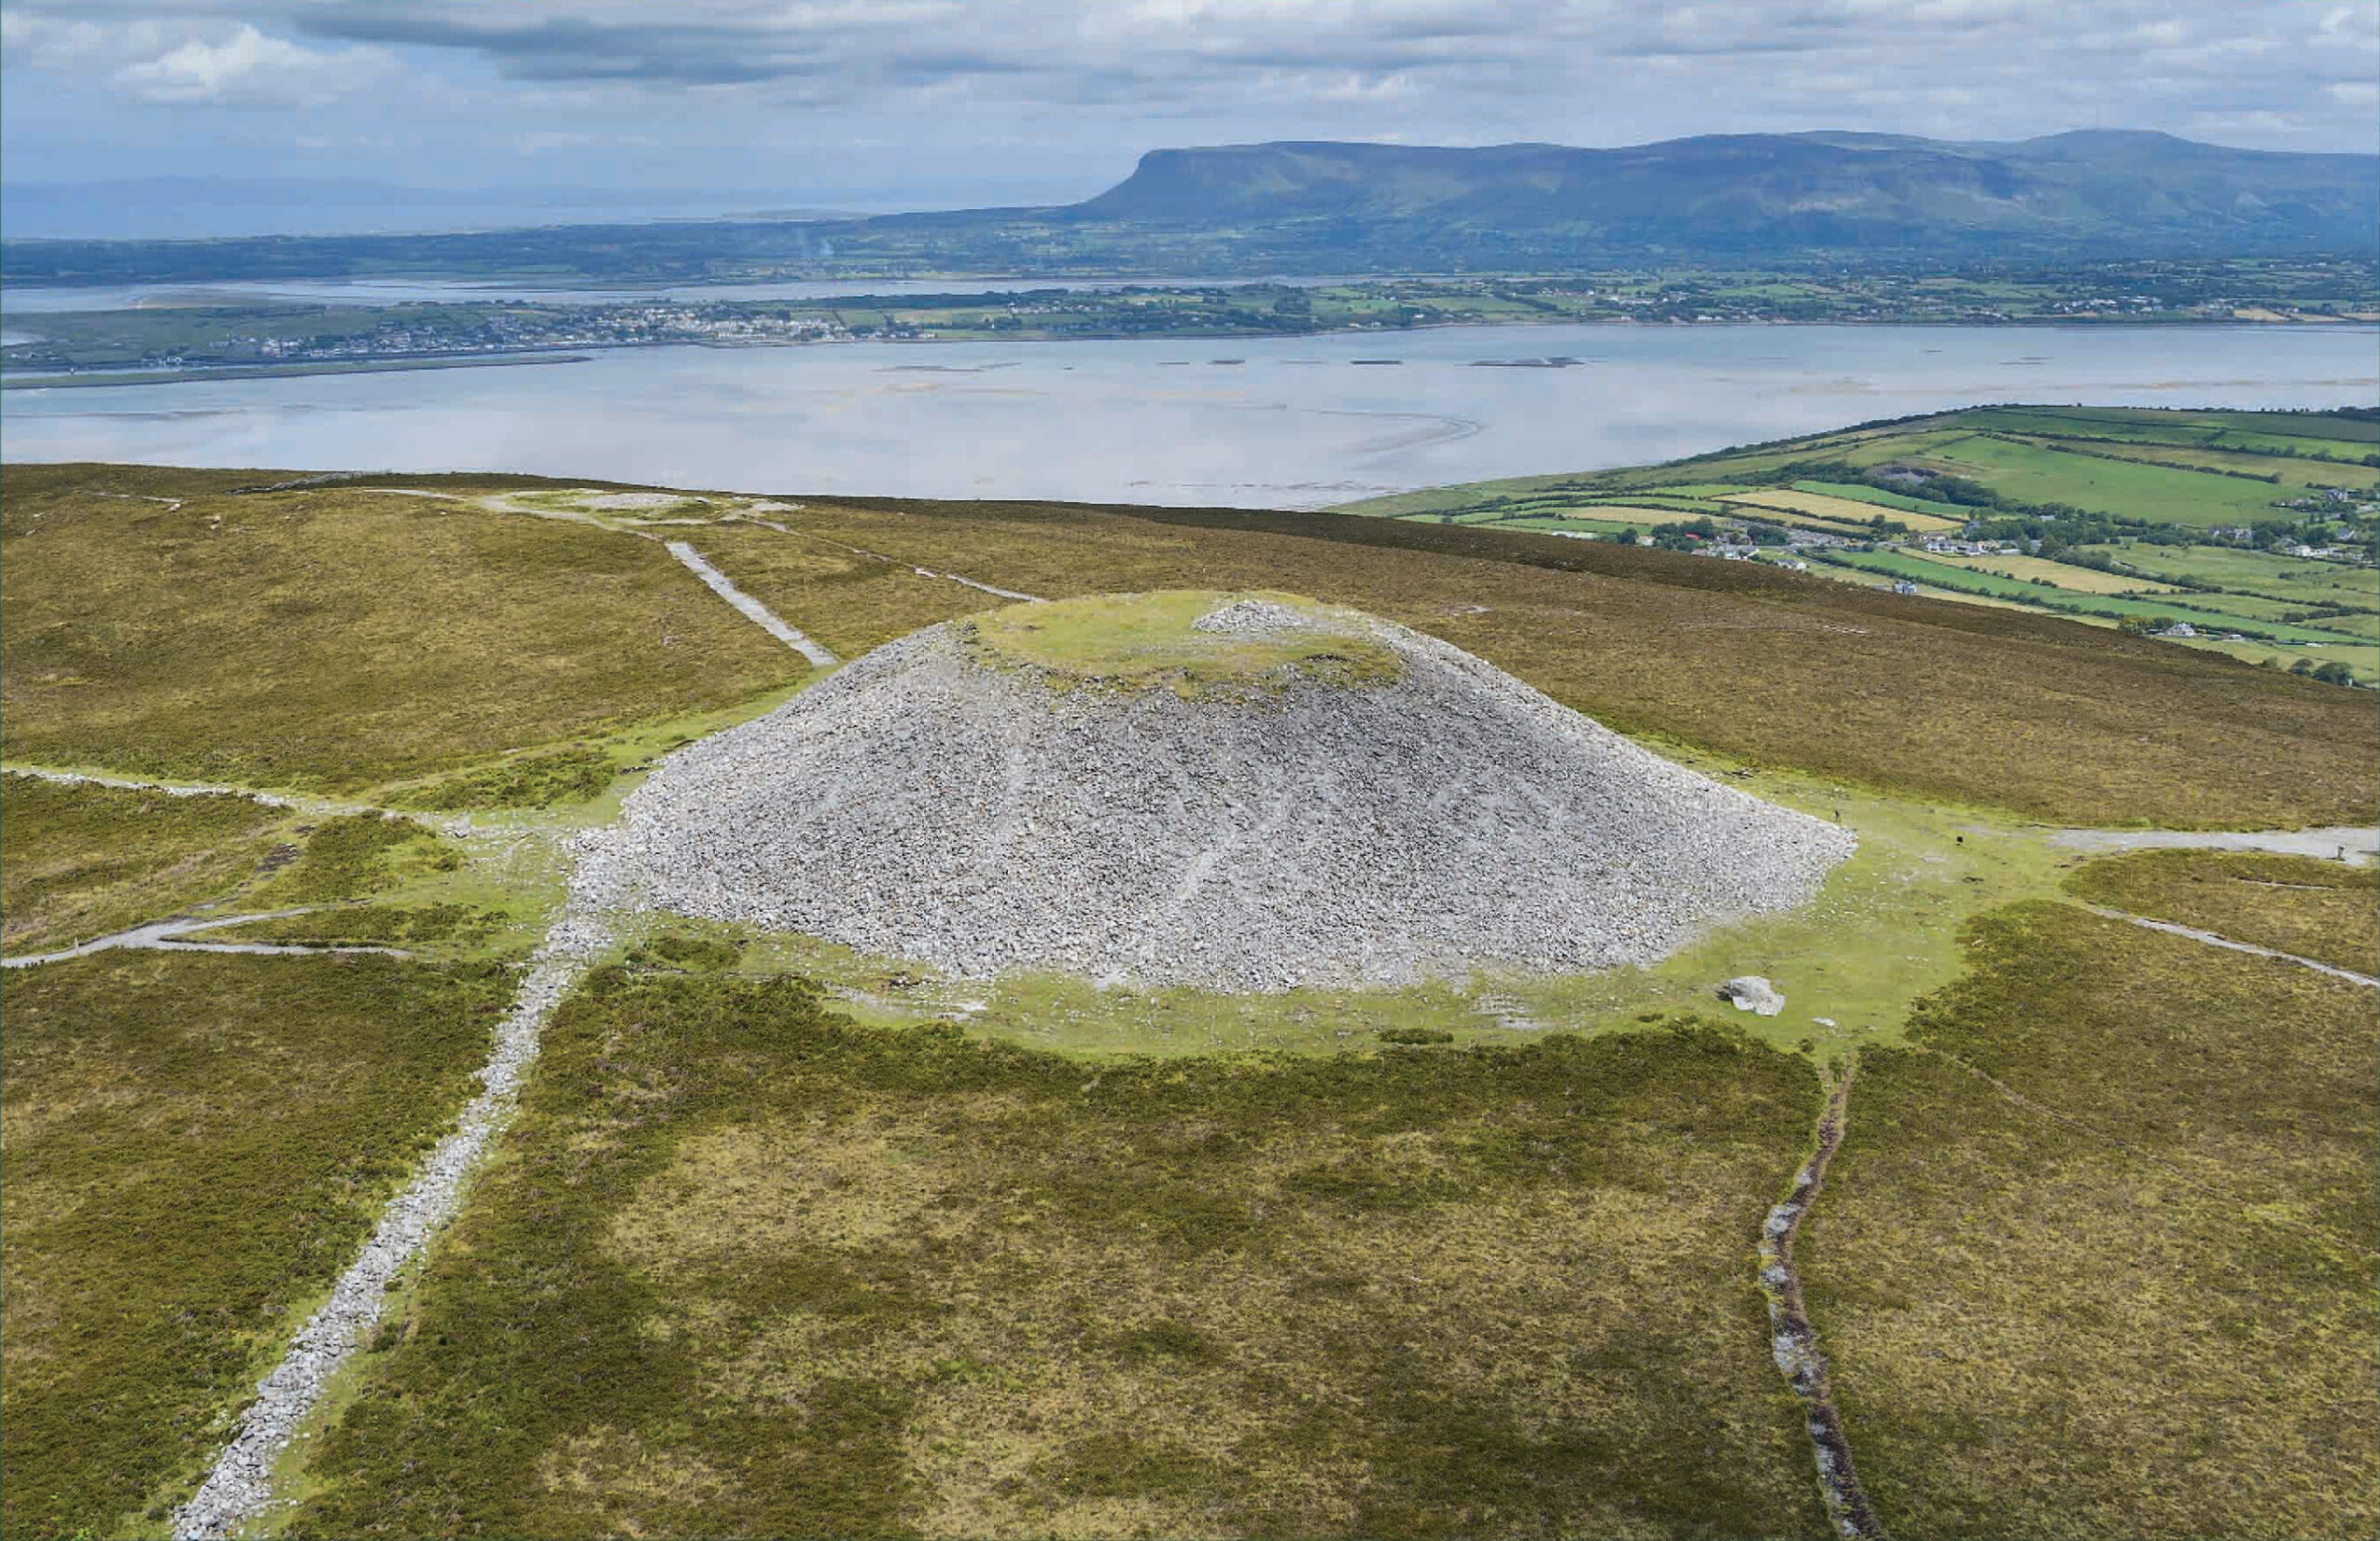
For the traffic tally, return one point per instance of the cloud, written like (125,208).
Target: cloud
(2040,62)
(1031,87)
(249,68)
(189,60)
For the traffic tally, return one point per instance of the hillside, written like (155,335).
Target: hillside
(1342,208)
(2242,532)
(751,1222)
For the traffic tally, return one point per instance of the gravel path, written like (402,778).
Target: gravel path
(239,1488)
(2211,940)
(2345,841)
(171,789)
(172,936)
(922,804)
(752,608)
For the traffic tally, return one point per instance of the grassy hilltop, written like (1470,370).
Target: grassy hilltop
(789,1238)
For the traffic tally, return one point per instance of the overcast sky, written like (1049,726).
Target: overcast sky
(886,103)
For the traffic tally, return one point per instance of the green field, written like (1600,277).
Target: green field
(2210,470)
(2148,467)
(195,1146)
(2035,473)
(2262,572)
(2319,436)
(2204,610)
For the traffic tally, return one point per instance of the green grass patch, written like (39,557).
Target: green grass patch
(2320,910)
(194,1146)
(2134,1294)
(2202,610)
(574,775)
(1149,641)
(745,1269)
(354,855)
(336,639)
(680,951)
(79,861)
(405,926)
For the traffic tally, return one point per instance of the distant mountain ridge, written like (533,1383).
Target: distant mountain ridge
(1738,201)
(2091,192)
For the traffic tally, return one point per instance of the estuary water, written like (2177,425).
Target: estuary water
(1283,422)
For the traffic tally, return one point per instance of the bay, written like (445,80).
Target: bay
(1281,422)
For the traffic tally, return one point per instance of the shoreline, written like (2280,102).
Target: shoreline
(585,352)
(281,372)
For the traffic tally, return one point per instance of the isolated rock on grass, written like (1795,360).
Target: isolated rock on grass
(1755,994)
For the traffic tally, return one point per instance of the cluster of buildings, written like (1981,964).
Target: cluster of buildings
(502,330)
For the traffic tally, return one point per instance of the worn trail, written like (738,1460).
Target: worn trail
(751,609)
(1795,1342)
(992,589)
(171,789)
(172,936)
(2211,940)
(240,1487)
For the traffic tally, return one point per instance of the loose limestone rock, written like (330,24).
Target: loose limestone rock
(1338,801)
(1753,993)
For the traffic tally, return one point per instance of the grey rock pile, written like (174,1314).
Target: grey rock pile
(1255,618)
(923,805)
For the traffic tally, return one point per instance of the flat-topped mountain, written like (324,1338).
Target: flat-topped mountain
(1734,201)
(1763,194)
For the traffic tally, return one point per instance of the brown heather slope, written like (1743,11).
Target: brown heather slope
(2052,718)
(2097,1257)
(334,637)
